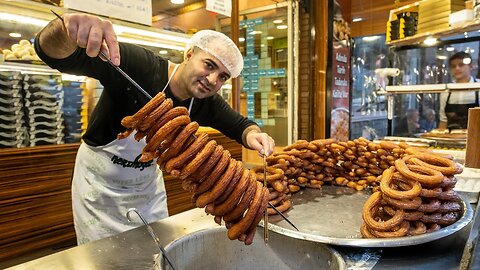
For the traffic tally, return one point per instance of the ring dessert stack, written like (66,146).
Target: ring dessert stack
(218,182)
(415,196)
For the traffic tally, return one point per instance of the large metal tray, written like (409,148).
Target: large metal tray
(333,215)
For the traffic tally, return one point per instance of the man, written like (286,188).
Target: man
(108,177)
(428,122)
(454,105)
(409,124)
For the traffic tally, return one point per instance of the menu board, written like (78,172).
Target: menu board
(139,11)
(340,113)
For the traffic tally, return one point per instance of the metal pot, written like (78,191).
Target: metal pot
(211,249)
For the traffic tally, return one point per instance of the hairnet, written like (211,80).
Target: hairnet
(221,47)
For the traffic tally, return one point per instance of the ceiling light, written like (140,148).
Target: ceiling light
(255,32)
(177,2)
(15,35)
(163,52)
(442,57)
(150,43)
(430,41)
(467,60)
(270,38)
(242,39)
(277,21)
(282,26)
(357,19)
(450,49)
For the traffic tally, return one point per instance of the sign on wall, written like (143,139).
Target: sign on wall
(223,7)
(139,11)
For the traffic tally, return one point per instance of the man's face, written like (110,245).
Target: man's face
(460,71)
(204,74)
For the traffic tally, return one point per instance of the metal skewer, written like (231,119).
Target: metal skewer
(283,216)
(265,217)
(152,234)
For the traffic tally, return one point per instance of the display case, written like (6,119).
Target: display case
(414,97)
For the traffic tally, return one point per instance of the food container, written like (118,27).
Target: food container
(211,249)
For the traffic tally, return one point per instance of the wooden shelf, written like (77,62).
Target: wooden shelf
(432,88)
(451,31)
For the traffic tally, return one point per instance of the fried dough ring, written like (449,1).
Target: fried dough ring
(406,204)
(253,228)
(229,204)
(443,165)
(219,187)
(430,176)
(201,156)
(400,231)
(287,204)
(179,142)
(446,207)
(242,226)
(156,114)
(133,121)
(409,215)
(181,160)
(371,207)
(387,180)
(150,149)
(231,186)
(449,195)
(417,228)
(208,165)
(214,174)
(238,211)
(430,207)
(169,115)
(448,219)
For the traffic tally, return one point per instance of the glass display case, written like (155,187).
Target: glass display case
(368,107)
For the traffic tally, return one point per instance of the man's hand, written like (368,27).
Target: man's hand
(261,142)
(59,40)
(94,34)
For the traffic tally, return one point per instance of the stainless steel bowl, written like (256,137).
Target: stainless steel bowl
(211,249)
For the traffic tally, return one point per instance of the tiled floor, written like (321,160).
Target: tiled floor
(36,254)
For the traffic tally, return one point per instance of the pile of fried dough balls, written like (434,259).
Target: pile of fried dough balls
(21,51)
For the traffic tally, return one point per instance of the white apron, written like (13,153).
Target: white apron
(108,180)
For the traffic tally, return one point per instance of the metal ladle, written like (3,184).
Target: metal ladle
(152,234)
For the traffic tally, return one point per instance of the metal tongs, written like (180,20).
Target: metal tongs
(152,234)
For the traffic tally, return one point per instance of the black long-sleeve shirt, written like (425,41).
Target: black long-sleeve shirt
(120,98)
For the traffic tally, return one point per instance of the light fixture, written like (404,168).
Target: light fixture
(270,38)
(163,52)
(150,43)
(242,39)
(370,38)
(22,19)
(278,21)
(467,60)
(450,49)
(442,57)
(358,19)
(430,41)
(177,2)
(255,32)
(262,45)
(282,26)
(15,35)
